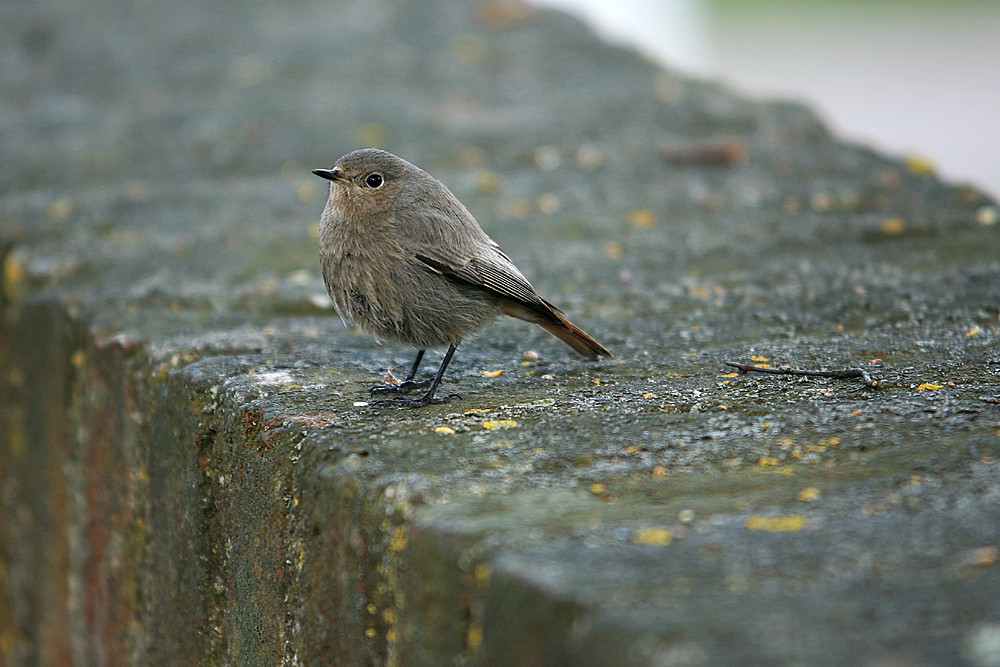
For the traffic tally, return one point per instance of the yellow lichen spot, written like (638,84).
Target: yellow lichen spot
(391,635)
(758,360)
(482,573)
(788,523)
(892,226)
(492,374)
(389,616)
(633,449)
(399,539)
(78,358)
(504,445)
(649,395)
(808,494)
(830,442)
(659,471)
(974,331)
(60,210)
(919,165)
(499,424)
(371,633)
(614,250)
(657,536)
(16,437)
(643,218)
(473,411)
(730,375)
(13,276)
(929,386)
(598,488)
(815,449)
(474,637)
(445,430)
(371,608)
(700,292)
(768,461)
(597,382)
(300,562)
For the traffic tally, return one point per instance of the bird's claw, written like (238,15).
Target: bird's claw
(401,388)
(415,402)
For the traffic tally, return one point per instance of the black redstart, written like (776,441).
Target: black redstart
(404,260)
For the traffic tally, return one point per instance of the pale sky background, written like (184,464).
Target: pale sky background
(907,77)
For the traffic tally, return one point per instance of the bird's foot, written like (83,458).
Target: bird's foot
(401,388)
(426,399)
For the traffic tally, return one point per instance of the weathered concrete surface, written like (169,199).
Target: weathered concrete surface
(186,477)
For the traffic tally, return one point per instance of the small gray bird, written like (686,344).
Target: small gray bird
(404,260)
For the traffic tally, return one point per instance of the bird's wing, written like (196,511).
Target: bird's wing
(491,269)
(455,246)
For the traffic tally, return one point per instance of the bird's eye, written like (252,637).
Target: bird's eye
(374,180)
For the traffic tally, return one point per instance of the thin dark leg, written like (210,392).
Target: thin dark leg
(413,369)
(427,398)
(407,384)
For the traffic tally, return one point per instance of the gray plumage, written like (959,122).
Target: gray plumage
(404,260)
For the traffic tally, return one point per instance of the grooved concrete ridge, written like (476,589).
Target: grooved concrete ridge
(186,476)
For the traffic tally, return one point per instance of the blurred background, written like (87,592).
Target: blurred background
(908,77)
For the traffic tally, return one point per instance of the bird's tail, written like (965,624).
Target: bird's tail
(552,321)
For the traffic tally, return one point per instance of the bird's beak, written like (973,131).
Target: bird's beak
(331,175)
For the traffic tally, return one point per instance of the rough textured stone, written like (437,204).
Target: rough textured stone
(185,474)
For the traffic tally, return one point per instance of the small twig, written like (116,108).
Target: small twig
(706,153)
(844,373)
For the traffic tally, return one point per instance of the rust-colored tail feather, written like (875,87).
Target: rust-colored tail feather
(557,325)
(576,338)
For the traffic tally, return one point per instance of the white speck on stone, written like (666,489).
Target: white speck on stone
(320,300)
(547,158)
(277,378)
(300,277)
(982,645)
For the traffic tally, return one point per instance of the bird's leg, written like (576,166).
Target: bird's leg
(407,384)
(427,398)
